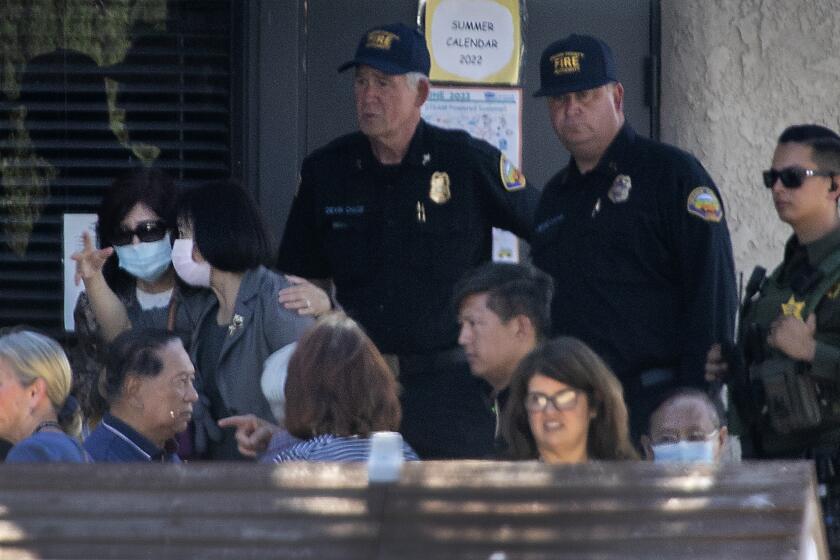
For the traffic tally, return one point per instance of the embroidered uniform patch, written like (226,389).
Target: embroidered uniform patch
(704,203)
(512,178)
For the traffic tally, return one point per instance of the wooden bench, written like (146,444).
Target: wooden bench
(473,509)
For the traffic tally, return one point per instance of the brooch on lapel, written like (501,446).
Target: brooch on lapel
(235,324)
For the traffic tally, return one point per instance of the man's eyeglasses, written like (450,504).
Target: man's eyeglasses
(792,177)
(561,400)
(152,230)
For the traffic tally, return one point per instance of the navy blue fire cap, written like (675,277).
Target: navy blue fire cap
(394,49)
(575,63)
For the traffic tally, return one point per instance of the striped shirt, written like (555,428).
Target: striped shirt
(328,447)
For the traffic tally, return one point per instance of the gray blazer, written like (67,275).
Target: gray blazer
(261,325)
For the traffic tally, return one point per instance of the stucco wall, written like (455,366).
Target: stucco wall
(735,73)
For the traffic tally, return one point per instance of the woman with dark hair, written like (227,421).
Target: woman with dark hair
(339,391)
(130,281)
(566,406)
(148,385)
(37,413)
(223,245)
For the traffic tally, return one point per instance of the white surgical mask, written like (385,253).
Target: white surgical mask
(146,261)
(685,452)
(191,272)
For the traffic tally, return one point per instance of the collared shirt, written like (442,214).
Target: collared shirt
(497,401)
(114,441)
(395,239)
(641,258)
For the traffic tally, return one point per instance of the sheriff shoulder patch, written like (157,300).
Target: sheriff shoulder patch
(512,178)
(704,203)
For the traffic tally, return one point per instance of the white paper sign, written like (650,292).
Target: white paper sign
(473,39)
(74,225)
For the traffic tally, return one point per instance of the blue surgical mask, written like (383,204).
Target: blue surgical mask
(146,261)
(685,452)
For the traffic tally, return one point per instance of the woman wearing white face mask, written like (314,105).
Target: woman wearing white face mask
(130,281)
(223,245)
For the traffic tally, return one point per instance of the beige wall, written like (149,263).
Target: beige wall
(735,73)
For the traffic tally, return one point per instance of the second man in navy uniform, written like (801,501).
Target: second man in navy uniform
(633,233)
(394,215)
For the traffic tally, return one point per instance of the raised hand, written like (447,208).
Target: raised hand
(90,260)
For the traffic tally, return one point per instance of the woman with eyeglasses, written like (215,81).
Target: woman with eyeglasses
(129,281)
(784,373)
(566,407)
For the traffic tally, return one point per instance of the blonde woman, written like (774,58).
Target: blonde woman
(37,413)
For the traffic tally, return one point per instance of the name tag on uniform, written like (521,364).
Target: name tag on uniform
(356,210)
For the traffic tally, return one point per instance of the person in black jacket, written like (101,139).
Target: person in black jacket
(392,216)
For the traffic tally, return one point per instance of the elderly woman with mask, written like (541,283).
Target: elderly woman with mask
(130,281)
(37,414)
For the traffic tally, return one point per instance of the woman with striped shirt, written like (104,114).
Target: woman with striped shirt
(339,391)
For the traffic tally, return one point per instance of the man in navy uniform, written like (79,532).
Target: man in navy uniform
(633,233)
(393,215)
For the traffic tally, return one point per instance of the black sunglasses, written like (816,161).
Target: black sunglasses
(792,177)
(152,230)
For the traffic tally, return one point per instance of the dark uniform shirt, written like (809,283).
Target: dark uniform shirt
(641,258)
(792,289)
(826,362)
(799,279)
(395,239)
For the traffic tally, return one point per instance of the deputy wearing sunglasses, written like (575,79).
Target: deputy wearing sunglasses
(566,406)
(129,281)
(790,321)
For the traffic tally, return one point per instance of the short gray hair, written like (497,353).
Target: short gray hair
(413,79)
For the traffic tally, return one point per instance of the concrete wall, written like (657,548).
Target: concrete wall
(735,73)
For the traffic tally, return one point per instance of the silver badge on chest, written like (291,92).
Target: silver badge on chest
(620,190)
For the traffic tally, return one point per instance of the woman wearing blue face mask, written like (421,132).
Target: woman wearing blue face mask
(130,281)
(223,245)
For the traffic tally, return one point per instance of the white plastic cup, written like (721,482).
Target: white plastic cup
(386,457)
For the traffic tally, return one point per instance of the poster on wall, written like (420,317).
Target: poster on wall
(492,114)
(74,225)
(474,41)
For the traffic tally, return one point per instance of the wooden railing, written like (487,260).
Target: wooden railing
(460,509)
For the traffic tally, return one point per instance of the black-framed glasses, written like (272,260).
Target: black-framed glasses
(792,177)
(151,230)
(565,399)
